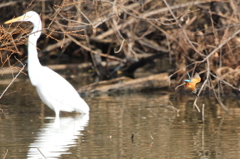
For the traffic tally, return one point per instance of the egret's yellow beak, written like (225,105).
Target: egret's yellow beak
(15,19)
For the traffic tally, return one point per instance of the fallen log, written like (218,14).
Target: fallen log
(125,84)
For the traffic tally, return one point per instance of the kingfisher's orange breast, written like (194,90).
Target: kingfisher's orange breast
(190,85)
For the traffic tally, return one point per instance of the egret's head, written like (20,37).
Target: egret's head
(29,16)
(34,18)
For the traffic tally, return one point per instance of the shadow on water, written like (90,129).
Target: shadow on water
(136,125)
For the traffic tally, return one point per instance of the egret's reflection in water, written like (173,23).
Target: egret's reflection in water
(55,138)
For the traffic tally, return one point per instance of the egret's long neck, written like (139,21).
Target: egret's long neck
(34,65)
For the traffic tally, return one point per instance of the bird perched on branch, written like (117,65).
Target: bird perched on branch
(192,81)
(56,92)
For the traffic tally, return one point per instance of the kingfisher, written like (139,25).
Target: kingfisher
(192,81)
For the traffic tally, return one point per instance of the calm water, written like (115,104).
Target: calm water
(137,125)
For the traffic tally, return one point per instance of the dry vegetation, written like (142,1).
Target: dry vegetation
(195,36)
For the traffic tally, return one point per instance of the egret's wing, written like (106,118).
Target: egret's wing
(54,89)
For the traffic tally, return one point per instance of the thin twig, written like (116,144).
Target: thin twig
(219,100)
(117,51)
(219,47)
(203,85)
(87,48)
(12,80)
(41,153)
(224,82)
(184,32)
(151,137)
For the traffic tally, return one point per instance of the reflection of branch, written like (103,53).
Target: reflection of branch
(218,140)
(41,153)
(203,116)
(175,109)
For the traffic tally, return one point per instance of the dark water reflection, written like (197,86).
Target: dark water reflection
(137,125)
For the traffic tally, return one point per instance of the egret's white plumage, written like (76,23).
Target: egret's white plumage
(53,89)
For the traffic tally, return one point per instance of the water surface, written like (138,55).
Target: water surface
(135,125)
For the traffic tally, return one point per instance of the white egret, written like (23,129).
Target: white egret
(56,92)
